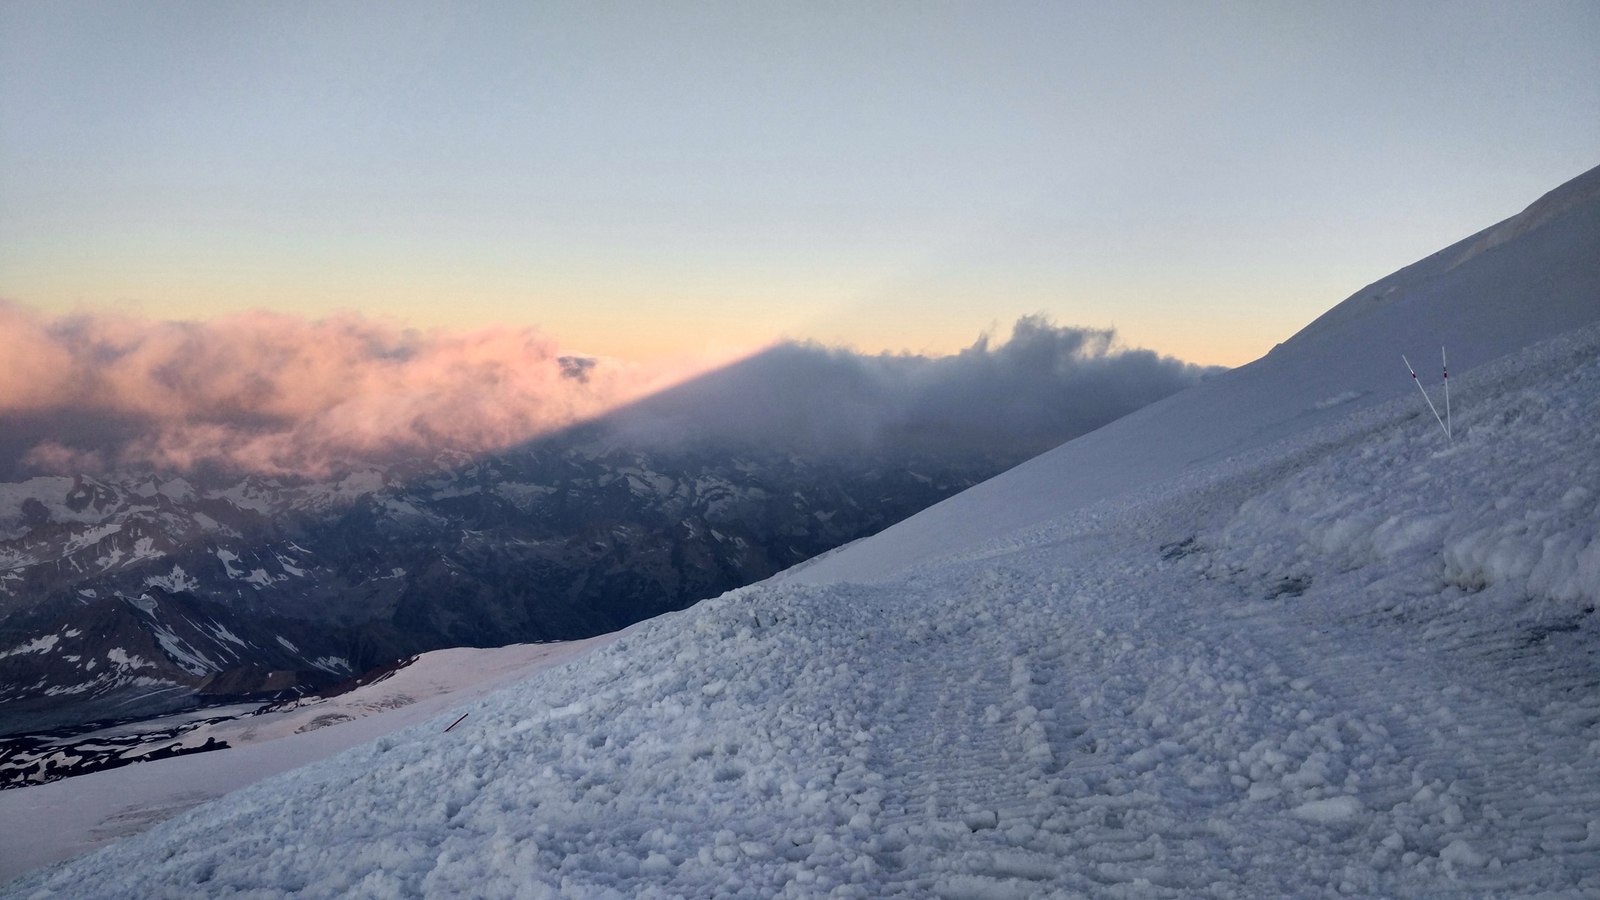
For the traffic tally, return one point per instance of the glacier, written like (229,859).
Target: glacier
(1272,636)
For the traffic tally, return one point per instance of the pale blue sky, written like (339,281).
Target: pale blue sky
(646,179)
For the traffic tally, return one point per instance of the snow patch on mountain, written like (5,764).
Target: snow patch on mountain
(125,660)
(37,645)
(174,581)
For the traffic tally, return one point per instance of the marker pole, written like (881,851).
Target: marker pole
(1425,397)
(1449,426)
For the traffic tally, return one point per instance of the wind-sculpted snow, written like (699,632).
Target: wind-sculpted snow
(1476,507)
(1271,676)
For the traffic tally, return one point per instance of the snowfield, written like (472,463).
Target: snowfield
(1243,643)
(49,822)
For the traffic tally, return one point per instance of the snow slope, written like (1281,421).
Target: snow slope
(50,822)
(1273,637)
(1532,276)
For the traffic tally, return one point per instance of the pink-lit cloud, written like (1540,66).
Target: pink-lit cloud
(271,393)
(278,394)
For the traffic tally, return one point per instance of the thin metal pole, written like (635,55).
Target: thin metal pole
(1425,397)
(1449,426)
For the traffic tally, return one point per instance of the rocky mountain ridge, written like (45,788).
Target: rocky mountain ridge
(139,593)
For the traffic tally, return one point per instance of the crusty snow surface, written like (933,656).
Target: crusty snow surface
(1271,637)
(48,822)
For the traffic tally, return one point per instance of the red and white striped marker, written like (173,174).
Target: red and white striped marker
(1425,396)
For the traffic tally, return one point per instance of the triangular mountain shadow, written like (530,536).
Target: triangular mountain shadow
(709,485)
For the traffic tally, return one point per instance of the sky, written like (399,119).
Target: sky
(650,181)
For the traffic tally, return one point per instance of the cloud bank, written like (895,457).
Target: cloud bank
(1044,385)
(277,394)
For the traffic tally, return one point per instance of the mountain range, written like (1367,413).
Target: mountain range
(138,595)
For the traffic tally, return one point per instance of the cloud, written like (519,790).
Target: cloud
(1044,385)
(278,394)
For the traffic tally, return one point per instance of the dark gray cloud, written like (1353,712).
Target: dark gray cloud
(577,367)
(1044,385)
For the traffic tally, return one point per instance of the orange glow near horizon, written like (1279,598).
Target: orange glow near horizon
(658,330)
(682,182)
(274,393)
